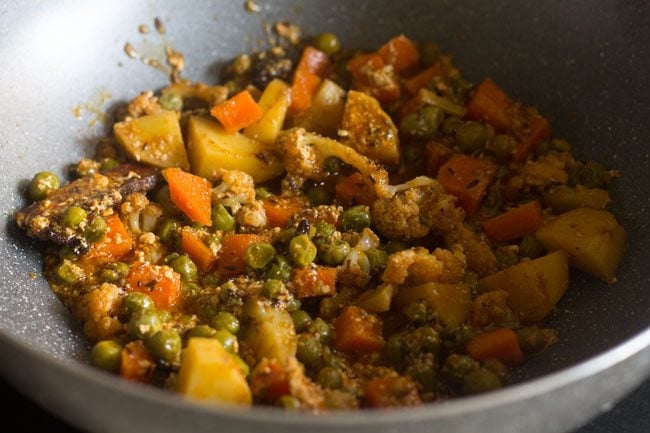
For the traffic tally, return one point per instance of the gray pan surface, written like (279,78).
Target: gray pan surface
(584,64)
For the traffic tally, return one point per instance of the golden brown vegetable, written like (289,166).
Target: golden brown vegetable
(154,139)
(452,302)
(324,115)
(274,103)
(377,300)
(534,286)
(592,238)
(270,333)
(369,130)
(211,149)
(563,199)
(211,374)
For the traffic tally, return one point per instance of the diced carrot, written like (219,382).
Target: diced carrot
(414,84)
(197,250)
(391,391)
(136,363)
(400,52)
(270,381)
(516,223)
(233,248)
(363,69)
(237,112)
(309,73)
(501,344)
(279,211)
(491,104)
(437,155)
(357,331)
(537,129)
(115,245)
(161,283)
(354,189)
(467,179)
(191,194)
(314,281)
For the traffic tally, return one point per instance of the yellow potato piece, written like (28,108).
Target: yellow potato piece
(324,115)
(592,238)
(154,139)
(452,302)
(270,331)
(533,286)
(563,198)
(377,300)
(211,148)
(210,374)
(274,103)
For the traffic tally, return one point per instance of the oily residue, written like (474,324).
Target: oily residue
(94,109)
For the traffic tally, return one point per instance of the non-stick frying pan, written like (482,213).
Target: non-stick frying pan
(584,64)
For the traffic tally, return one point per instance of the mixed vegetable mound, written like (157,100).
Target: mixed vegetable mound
(329,229)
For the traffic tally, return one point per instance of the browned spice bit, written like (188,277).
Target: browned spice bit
(32,275)
(160,26)
(288,31)
(252,7)
(130,51)
(151,62)
(143,28)
(176,60)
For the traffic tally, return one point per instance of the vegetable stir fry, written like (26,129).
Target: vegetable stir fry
(329,229)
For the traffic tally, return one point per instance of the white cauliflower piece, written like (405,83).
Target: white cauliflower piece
(237,192)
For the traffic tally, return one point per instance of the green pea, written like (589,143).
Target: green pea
(333,360)
(262,193)
(169,258)
(417,312)
(163,198)
(422,123)
(393,247)
(324,230)
(424,372)
(41,184)
(479,381)
(429,53)
(321,330)
(309,350)
(593,175)
(165,345)
(67,253)
(227,321)
(185,267)
(410,125)
(69,273)
(301,320)
(203,331)
(143,324)
(114,272)
(497,367)
(257,256)
(471,137)
(502,146)
(334,253)
(530,247)
(106,355)
(332,165)
(222,219)
(136,302)
(377,258)
(318,195)
(355,218)
(456,367)
(302,250)
(293,304)
(428,340)
(460,85)
(171,101)
(329,377)
(289,402)
(73,216)
(108,164)
(165,316)
(450,125)
(533,339)
(279,270)
(96,229)
(327,43)
(168,230)
(395,350)
(227,340)
(273,289)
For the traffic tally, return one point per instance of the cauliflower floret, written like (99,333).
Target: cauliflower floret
(547,170)
(237,191)
(492,308)
(148,248)
(480,257)
(140,215)
(417,266)
(355,269)
(97,309)
(144,103)
(414,212)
